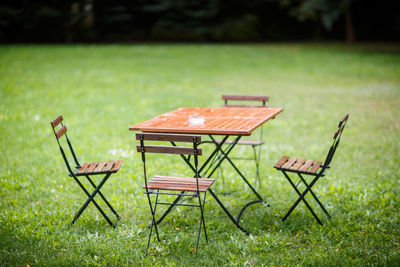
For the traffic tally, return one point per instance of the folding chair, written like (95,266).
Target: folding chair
(181,186)
(88,169)
(312,168)
(255,144)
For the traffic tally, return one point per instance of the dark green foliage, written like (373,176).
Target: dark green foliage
(193,20)
(328,11)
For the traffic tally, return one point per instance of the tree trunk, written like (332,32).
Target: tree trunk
(318,28)
(350,34)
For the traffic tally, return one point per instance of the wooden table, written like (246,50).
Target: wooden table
(216,121)
(227,121)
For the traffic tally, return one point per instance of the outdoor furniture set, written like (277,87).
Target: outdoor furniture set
(190,126)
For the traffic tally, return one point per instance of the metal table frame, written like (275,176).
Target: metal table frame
(217,122)
(219,155)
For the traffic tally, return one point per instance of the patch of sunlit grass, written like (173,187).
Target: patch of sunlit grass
(102,90)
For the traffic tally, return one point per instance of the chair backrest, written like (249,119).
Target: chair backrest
(336,141)
(174,149)
(62,131)
(258,98)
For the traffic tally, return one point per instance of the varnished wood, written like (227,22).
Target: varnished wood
(315,167)
(117,165)
(57,121)
(169,150)
(298,164)
(338,131)
(289,163)
(341,126)
(306,165)
(245,97)
(179,183)
(91,167)
(224,121)
(83,168)
(343,120)
(109,166)
(182,180)
(100,166)
(61,132)
(281,162)
(168,137)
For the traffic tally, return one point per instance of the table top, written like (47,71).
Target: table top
(214,121)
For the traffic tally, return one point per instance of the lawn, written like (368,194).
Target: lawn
(103,89)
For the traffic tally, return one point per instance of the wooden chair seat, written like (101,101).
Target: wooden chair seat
(179,183)
(102,167)
(298,165)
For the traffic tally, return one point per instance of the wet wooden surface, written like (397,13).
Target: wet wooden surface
(219,120)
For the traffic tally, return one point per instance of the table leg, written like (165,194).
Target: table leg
(239,172)
(228,213)
(224,155)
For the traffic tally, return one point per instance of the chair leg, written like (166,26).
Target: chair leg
(149,238)
(103,197)
(204,224)
(154,217)
(201,223)
(198,235)
(257,162)
(91,199)
(301,197)
(153,222)
(315,197)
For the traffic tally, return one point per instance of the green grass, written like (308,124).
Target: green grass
(102,90)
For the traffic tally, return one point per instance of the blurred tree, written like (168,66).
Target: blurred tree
(203,20)
(196,20)
(325,12)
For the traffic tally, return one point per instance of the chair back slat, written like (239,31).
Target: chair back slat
(343,120)
(241,106)
(174,149)
(336,141)
(339,130)
(169,150)
(260,98)
(58,134)
(341,125)
(169,137)
(57,121)
(246,97)
(61,132)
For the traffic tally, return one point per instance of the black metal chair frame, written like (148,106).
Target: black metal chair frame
(58,134)
(195,152)
(208,168)
(317,176)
